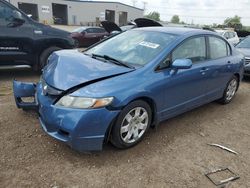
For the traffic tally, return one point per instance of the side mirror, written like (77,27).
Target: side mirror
(182,64)
(83,33)
(17,19)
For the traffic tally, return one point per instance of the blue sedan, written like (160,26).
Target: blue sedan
(115,90)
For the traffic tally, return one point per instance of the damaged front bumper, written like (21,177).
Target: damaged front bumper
(81,129)
(24,91)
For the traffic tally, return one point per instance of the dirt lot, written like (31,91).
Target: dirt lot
(175,155)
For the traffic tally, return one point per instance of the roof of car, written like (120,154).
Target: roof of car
(87,27)
(224,30)
(176,30)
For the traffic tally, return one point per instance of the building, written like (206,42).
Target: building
(76,12)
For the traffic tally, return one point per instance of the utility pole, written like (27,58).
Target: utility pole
(134,2)
(144,6)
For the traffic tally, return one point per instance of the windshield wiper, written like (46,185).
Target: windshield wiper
(115,61)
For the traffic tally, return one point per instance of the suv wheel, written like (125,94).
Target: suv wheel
(45,55)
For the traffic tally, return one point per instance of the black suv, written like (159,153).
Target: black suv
(24,41)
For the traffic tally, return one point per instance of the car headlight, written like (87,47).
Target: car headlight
(83,102)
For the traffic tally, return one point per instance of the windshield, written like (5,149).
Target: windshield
(245,43)
(79,30)
(134,46)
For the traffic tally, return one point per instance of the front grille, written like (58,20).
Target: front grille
(247,72)
(247,60)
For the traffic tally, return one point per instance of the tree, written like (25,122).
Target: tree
(153,15)
(175,19)
(234,22)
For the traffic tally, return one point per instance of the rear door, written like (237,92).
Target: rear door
(219,66)
(101,33)
(16,41)
(91,36)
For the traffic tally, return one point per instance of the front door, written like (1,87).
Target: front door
(185,88)
(16,39)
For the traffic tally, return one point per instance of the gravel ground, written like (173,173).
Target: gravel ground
(176,154)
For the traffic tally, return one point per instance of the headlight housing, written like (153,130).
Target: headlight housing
(84,102)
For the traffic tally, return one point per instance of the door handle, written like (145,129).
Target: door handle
(229,62)
(204,69)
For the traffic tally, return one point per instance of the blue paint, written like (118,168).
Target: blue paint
(173,90)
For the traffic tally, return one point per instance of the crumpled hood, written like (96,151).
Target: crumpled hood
(69,68)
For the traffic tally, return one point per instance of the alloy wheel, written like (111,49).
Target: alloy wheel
(231,89)
(134,125)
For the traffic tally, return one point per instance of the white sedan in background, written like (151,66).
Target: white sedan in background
(230,35)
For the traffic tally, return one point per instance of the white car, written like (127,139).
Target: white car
(231,36)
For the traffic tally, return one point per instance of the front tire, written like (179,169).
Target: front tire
(230,91)
(45,55)
(131,125)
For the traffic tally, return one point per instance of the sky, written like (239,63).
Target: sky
(196,11)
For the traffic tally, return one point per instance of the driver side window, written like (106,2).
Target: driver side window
(193,49)
(6,14)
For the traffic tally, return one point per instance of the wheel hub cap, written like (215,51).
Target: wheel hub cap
(231,89)
(134,125)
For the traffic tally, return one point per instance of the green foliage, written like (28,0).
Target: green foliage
(247,28)
(154,16)
(175,19)
(234,22)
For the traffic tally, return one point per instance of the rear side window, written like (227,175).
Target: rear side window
(194,49)
(231,35)
(218,48)
(99,30)
(90,30)
(95,30)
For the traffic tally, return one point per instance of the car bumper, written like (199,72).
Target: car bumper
(82,129)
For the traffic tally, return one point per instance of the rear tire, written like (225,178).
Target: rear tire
(45,55)
(131,125)
(230,91)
